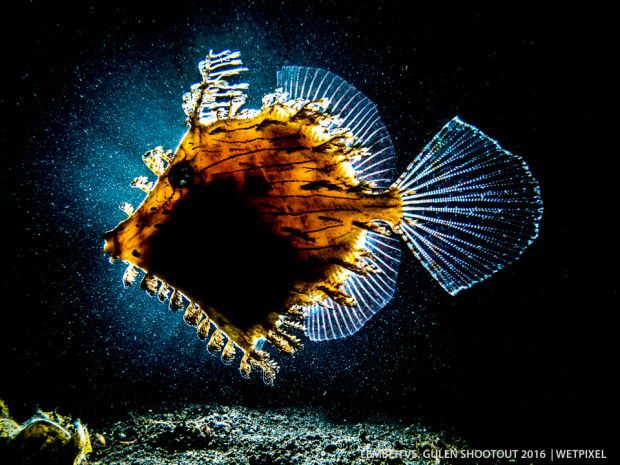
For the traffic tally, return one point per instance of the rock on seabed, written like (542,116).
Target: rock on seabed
(199,434)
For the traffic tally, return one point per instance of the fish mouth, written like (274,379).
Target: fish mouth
(110,245)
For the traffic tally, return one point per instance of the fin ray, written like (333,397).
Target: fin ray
(357,112)
(329,320)
(470,207)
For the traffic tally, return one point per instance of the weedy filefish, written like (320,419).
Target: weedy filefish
(267,225)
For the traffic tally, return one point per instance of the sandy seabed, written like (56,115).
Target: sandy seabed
(199,434)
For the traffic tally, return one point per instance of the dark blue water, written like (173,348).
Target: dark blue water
(94,87)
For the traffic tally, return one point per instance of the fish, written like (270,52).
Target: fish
(272,226)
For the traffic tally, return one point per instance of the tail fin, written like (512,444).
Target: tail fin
(469,207)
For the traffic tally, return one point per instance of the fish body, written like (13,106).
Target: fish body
(269,222)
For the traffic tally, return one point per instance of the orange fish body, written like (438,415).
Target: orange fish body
(266,223)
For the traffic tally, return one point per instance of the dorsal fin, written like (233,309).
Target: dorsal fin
(357,112)
(330,320)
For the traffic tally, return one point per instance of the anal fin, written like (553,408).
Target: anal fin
(371,292)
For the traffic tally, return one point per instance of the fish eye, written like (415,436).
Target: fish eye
(180,175)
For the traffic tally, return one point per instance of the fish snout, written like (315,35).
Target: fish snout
(111,244)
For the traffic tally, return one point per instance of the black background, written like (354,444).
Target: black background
(523,360)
